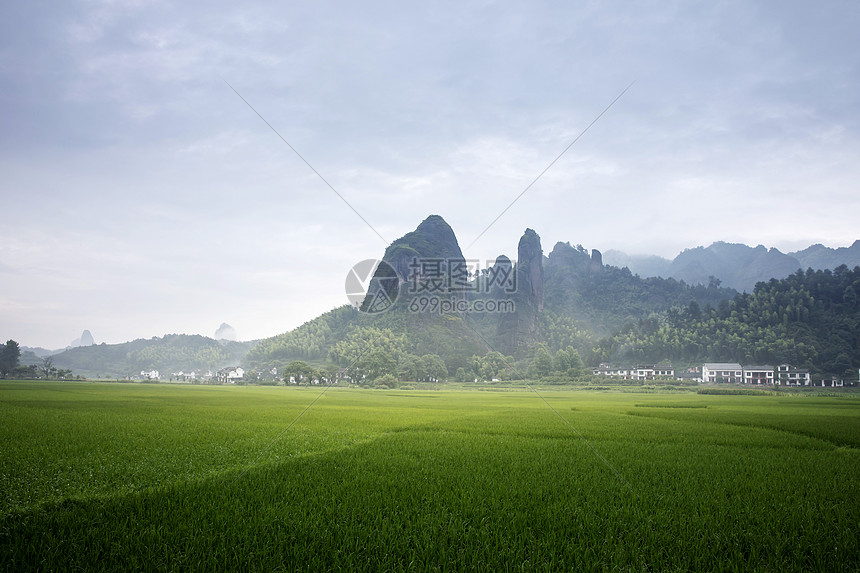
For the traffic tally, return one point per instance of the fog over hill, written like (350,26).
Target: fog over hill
(564,300)
(736,265)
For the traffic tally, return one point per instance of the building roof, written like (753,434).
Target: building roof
(723,366)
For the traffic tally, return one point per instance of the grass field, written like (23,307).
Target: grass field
(123,476)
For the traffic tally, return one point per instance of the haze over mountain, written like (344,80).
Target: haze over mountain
(167,354)
(85,339)
(736,265)
(564,300)
(569,304)
(225,332)
(820,257)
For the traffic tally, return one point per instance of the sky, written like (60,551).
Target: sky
(140,195)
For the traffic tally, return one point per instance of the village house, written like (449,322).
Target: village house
(613,371)
(790,376)
(640,373)
(718,372)
(183,376)
(758,374)
(229,375)
(784,374)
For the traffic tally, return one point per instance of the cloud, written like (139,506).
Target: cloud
(147,196)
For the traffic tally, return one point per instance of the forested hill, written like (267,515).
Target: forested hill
(603,298)
(570,302)
(338,336)
(810,319)
(568,299)
(170,353)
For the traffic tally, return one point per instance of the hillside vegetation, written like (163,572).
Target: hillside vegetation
(811,319)
(170,353)
(570,301)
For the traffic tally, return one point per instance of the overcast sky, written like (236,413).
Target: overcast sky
(139,195)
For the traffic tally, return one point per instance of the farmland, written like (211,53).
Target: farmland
(111,476)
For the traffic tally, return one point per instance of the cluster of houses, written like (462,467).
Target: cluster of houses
(734,373)
(640,373)
(720,372)
(226,375)
(708,373)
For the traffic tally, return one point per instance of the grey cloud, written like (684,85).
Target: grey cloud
(141,165)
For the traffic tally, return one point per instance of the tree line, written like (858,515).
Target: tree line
(11,367)
(810,319)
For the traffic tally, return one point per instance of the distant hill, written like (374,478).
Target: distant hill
(810,319)
(225,332)
(28,357)
(642,265)
(342,334)
(85,339)
(170,353)
(603,298)
(38,351)
(821,257)
(736,265)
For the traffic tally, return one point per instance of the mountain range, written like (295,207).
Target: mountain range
(569,303)
(568,298)
(736,265)
(167,354)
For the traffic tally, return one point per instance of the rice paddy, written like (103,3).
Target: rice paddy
(152,477)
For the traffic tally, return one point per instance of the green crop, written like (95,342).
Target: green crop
(107,477)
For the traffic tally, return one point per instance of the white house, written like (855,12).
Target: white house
(758,374)
(613,371)
(640,373)
(230,374)
(790,376)
(713,372)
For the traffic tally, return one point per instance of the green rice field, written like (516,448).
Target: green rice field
(159,477)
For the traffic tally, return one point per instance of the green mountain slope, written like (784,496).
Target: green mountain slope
(810,320)
(170,353)
(566,300)
(325,339)
(603,298)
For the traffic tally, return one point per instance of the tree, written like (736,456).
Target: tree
(410,367)
(542,362)
(299,371)
(386,381)
(375,364)
(562,361)
(10,354)
(47,366)
(577,367)
(331,373)
(434,367)
(694,312)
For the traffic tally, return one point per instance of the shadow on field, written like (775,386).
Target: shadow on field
(834,430)
(429,500)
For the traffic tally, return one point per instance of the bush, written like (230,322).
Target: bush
(385,381)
